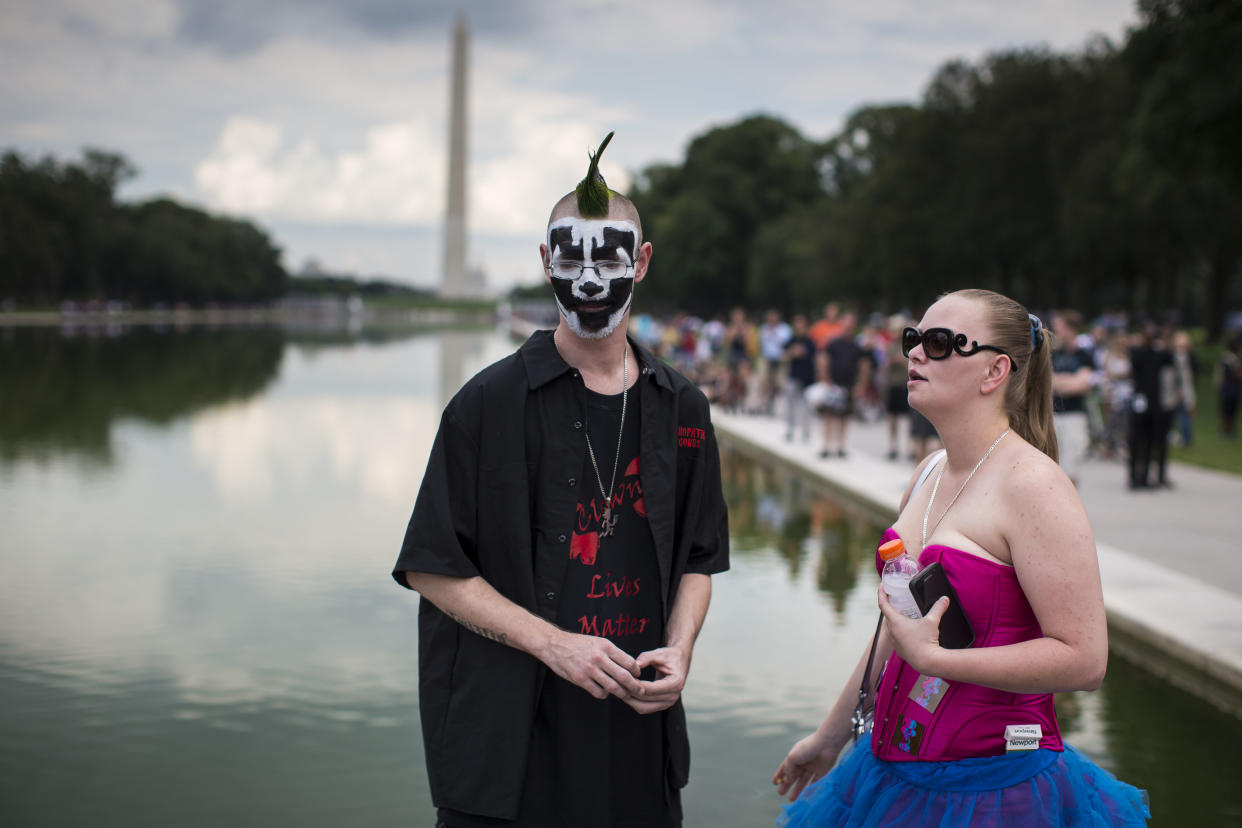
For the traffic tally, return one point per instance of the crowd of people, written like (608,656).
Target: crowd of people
(1121,392)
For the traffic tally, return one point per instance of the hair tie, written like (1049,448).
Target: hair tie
(1036,327)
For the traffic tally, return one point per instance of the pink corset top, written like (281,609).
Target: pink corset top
(924,718)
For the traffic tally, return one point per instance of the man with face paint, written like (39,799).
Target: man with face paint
(563,542)
(592,265)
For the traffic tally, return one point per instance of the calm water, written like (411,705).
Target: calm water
(197,625)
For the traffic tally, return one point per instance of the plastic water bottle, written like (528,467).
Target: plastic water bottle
(898,570)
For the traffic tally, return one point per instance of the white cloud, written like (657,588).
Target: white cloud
(536,152)
(338,126)
(527,146)
(395,177)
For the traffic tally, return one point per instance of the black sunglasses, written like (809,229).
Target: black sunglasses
(940,343)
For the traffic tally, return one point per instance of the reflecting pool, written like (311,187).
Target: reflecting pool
(197,625)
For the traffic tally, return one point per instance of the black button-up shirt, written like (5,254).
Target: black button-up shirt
(498,501)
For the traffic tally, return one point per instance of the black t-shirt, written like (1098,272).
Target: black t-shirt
(1065,361)
(612,585)
(802,365)
(844,356)
(612,768)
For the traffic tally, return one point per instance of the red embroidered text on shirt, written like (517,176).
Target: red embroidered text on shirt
(690,437)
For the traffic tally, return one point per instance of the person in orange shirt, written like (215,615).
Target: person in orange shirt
(828,328)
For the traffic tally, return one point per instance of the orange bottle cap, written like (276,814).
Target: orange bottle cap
(892,549)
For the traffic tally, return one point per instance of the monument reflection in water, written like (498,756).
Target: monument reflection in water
(197,626)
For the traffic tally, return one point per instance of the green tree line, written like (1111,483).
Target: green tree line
(1109,178)
(64,235)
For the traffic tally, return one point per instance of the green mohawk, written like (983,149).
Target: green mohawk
(592,191)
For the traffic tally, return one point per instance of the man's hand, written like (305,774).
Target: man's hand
(596,665)
(672,665)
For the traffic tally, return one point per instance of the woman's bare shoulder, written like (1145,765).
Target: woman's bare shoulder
(1036,488)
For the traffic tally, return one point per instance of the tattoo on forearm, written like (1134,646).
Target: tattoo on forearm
(492,635)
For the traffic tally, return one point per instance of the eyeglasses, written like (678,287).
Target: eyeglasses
(940,343)
(570,269)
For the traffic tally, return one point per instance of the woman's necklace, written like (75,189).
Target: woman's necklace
(608,521)
(936,487)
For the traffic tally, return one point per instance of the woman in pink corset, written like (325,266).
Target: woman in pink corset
(1009,529)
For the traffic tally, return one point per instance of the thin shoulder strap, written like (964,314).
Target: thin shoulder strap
(927,470)
(859,720)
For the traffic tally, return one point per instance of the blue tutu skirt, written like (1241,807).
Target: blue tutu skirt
(1031,788)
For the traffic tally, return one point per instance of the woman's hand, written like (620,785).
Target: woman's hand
(807,761)
(918,642)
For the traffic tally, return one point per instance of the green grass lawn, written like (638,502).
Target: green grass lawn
(1209,448)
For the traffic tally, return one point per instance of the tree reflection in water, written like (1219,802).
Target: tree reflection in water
(65,389)
(773,507)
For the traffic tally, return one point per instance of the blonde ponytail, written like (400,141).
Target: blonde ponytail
(1036,413)
(1028,393)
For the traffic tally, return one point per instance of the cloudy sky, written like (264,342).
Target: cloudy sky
(325,121)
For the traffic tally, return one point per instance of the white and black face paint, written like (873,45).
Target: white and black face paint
(593,305)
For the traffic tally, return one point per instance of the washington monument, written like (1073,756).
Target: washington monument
(457,281)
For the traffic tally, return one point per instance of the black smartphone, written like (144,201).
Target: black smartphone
(927,586)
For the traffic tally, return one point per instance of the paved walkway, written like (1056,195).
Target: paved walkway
(1169,558)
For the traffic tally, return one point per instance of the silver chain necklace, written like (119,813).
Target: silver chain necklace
(936,487)
(608,521)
